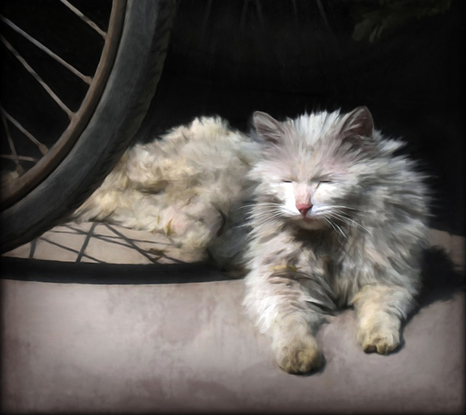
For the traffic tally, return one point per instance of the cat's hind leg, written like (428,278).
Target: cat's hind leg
(381,310)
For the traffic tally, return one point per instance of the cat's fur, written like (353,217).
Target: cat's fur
(182,185)
(334,218)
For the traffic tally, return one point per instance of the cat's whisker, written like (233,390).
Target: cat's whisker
(345,219)
(340,215)
(266,215)
(267,205)
(265,219)
(348,208)
(352,222)
(336,228)
(272,209)
(336,215)
(340,209)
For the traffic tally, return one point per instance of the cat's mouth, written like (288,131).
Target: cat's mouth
(310,222)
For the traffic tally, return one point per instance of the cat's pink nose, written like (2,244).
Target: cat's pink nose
(303,208)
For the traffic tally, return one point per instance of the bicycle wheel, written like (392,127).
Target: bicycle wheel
(76,139)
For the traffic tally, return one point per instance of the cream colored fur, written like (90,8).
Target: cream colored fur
(182,185)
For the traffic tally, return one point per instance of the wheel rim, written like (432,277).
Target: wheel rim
(21,180)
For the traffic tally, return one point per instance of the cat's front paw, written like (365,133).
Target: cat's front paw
(382,340)
(299,356)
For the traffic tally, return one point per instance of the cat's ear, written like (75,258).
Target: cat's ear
(267,127)
(357,127)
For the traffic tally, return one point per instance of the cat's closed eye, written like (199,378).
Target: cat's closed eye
(286,181)
(322,182)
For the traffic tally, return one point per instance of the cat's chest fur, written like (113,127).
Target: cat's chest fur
(320,259)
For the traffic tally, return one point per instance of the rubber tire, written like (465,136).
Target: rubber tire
(124,103)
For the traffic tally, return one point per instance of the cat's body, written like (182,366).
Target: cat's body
(182,185)
(334,218)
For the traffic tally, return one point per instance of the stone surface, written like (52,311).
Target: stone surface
(185,347)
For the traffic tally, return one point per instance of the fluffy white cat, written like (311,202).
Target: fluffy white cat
(319,212)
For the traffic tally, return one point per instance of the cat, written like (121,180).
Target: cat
(339,220)
(319,213)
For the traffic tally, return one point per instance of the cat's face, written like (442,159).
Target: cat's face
(315,200)
(311,166)
(309,202)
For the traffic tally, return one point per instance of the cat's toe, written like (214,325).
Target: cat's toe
(300,358)
(382,343)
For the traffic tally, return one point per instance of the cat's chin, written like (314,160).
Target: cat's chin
(311,223)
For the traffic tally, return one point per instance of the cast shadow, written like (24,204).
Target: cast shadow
(441,280)
(440,277)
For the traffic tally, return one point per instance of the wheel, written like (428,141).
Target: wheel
(76,147)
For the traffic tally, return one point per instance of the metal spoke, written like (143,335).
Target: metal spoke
(14,154)
(37,77)
(42,147)
(17,158)
(86,79)
(77,97)
(84,18)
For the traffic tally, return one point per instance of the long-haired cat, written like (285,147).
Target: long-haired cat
(330,216)
(338,220)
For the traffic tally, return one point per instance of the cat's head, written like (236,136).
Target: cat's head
(311,166)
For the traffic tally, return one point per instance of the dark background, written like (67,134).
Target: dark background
(403,59)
